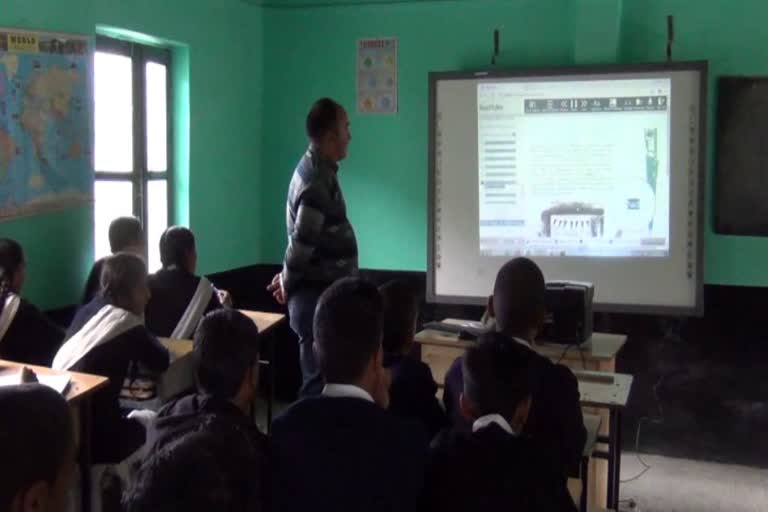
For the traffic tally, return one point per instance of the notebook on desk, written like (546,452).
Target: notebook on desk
(465,329)
(16,376)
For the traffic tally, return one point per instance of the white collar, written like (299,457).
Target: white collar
(488,419)
(523,342)
(346,391)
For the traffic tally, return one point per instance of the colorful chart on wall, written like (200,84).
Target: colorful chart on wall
(377,75)
(45,122)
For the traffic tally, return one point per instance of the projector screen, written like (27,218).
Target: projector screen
(595,173)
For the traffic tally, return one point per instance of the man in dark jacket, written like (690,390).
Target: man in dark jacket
(341,451)
(321,242)
(205,452)
(494,466)
(556,421)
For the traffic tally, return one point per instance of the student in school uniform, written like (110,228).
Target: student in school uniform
(412,393)
(342,451)
(494,466)
(26,335)
(205,452)
(556,421)
(107,342)
(125,235)
(37,444)
(180,299)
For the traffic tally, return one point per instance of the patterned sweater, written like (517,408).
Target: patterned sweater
(321,242)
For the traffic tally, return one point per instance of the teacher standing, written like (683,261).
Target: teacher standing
(321,242)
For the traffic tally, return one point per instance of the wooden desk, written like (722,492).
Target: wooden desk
(579,487)
(179,348)
(612,395)
(596,392)
(81,388)
(439,349)
(263,320)
(180,375)
(81,385)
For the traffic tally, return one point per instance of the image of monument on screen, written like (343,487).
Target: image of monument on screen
(580,175)
(45,127)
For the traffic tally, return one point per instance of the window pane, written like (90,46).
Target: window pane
(113,199)
(113,113)
(157,123)
(157,221)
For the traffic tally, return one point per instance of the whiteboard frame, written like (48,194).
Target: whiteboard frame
(700,67)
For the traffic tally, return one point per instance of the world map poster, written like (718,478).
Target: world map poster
(45,122)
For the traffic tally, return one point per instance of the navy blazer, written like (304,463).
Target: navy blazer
(413,393)
(114,436)
(172,290)
(31,338)
(492,470)
(555,420)
(345,455)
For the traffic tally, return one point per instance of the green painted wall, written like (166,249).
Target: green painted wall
(246,64)
(312,54)
(730,34)
(223,53)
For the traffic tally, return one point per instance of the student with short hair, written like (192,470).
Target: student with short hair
(342,450)
(125,235)
(412,393)
(205,452)
(180,299)
(494,466)
(26,334)
(37,449)
(105,342)
(556,421)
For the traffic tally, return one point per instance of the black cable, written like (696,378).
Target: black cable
(562,356)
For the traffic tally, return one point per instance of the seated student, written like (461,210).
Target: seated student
(125,235)
(494,466)
(205,451)
(341,451)
(413,389)
(555,420)
(107,342)
(26,335)
(179,297)
(37,443)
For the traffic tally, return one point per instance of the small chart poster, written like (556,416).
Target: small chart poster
(377,75)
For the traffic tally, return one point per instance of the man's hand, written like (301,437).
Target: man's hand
(276,287)
(225,298)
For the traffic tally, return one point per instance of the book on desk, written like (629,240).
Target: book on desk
(15,376)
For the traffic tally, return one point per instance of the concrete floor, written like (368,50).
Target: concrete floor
(681,485)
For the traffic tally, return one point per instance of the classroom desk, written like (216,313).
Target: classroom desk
(597,391)
(579,487)
(181,370)
(439,349)
(592,424)
(81,388)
